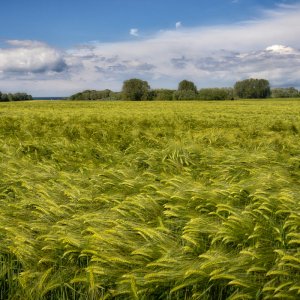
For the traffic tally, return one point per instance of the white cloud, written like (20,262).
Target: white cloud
(134,32)
(280,49)
(26,43)
(30,57)
(178,24)
(210,56)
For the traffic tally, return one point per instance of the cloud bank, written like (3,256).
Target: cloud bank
(30,57)
(267,47)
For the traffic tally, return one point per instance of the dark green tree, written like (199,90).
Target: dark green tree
(14,97)
(187,90)
(135,89)
(4,98)
(252,89)
(186,85)
(92,95)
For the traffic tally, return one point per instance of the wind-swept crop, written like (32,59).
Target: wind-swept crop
(182,200)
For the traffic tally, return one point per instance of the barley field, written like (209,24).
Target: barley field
(150,200)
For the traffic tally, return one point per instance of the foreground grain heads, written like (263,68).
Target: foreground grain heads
(150,200)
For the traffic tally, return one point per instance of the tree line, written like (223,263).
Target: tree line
(137,90)
(7,97)
(97,95)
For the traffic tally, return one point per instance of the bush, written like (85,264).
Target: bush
(185,95)
(163,94)
(290,92)
(216,94)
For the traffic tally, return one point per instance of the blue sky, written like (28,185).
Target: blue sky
(59,47)
(65,23)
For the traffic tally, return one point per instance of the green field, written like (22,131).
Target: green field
(150,200)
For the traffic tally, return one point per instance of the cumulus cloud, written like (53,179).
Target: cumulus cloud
(281,49)
(134,32)
(211,56)
(267,47)
(244,62)
(30,57)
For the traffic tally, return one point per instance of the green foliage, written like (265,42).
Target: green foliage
(161,200)
(14,97)
(186,85)
(252,89)
(96,95)
(185,95)
(135,89)
(187,90)
(216,94)
(163,94)
(290,92)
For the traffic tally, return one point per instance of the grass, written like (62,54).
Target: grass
(150,200)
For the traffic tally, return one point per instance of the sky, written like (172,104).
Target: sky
(61,47)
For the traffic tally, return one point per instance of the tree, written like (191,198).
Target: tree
(4,98)
(163,94)
(135,89)
(252,88)
(115,96)
(14,97)
(290,92)
(215,94)
(10,97)
(187,90)
(93,95)
(186,85)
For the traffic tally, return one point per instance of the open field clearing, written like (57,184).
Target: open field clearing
(150,200)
